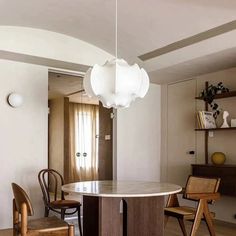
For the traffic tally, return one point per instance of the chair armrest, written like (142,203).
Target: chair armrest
(206,196)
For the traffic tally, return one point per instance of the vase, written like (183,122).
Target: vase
(218,158)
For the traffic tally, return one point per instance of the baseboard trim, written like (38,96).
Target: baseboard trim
(225,223)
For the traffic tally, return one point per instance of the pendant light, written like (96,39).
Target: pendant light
(116,83)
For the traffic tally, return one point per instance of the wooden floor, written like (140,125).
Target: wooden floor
(221,228)
(6,232)
(172,229)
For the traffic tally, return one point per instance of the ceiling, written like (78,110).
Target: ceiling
(143,26)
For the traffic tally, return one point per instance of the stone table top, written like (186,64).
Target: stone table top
(111,188)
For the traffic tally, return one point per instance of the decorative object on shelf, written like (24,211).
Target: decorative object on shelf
(233,123)
(116,83)
(218,158)
(225,123)
(209,93)
(15,100)
(206,120)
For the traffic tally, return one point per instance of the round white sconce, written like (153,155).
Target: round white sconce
(15,100)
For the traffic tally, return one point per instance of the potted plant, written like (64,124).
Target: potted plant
(208,96)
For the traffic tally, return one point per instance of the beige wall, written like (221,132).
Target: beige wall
(56,134)
(222,141)
(138,140)
(23,133)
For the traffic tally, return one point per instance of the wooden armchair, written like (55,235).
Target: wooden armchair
(22,208)
(204,192)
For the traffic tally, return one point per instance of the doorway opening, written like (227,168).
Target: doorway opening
(80,131)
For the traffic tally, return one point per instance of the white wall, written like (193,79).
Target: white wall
(23,133)
(138,138)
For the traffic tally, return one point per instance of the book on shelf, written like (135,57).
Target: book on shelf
(206,120)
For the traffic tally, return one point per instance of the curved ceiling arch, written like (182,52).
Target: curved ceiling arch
(50,45)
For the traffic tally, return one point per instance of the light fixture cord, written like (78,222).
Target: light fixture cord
(116,31)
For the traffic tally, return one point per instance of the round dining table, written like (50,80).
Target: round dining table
(122,208)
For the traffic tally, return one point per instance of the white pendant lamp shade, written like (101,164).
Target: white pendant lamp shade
(116,83)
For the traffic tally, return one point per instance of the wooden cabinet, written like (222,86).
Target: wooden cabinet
(227,173)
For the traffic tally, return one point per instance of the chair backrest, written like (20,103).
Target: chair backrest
(201,185)
(21,197)
(50,182)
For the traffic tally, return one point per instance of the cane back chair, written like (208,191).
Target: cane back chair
(202,190)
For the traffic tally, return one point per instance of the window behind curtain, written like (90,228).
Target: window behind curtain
(84,136)
(84,128)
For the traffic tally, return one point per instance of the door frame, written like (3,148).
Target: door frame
(66,138)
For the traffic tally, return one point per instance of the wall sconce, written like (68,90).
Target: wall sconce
(15,99)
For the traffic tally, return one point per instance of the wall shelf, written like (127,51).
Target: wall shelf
(222,95)
(217,129)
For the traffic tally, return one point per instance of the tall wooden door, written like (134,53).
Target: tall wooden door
(181,140)
(105,163)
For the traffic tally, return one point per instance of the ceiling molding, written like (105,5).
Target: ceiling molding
(52,63)
(230,26)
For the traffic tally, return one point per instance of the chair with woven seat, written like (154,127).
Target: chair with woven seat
(202,190)
(50,182)
(22,208)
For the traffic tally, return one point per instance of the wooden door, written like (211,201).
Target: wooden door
(105,163)
(180,131)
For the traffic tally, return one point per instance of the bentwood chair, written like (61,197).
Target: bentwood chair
(22,208)
(50,182)
(203,191)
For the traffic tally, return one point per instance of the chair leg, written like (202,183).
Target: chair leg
(24,216)
(208,219)
(71,230)
(79,222)
(198,218)
(172,201)
(46,212)
(63,214)
(15,218)
(182,226)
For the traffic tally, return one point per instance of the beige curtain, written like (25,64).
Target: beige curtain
(83,163)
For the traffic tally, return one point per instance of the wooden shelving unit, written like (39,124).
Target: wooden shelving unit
(218,96)
(227,173)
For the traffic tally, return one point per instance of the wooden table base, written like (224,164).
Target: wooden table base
(137,216)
